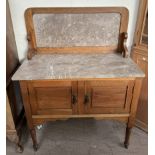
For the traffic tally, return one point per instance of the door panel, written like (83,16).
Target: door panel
(105,97)
(108,96)
(50,97)
(59,98)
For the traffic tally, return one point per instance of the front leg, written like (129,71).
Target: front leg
(26,101)
(19,148)
(34,139)
(127,137)
(134,103)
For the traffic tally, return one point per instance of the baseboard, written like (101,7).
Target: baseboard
(141,125)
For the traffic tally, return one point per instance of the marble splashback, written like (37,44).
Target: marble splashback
(68,30)
(77,66)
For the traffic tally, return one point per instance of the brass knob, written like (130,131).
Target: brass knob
(86,99)
(74,99)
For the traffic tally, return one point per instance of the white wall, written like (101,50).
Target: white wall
(17,8)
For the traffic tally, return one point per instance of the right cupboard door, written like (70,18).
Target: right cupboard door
(108,96)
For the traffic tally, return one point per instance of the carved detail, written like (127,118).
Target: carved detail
(31,51)
(13,137)
(124,46)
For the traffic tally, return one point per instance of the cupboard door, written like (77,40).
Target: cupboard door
(108,96)
(53,97)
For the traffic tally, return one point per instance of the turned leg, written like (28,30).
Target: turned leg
(34,139)
(14,137)
(27,107)
(127,137)
(19,147)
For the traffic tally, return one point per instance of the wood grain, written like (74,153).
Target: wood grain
(143,7)
(141,58)
(27,107)
(134,103)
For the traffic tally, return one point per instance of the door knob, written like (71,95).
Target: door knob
(74,99)
(86,99)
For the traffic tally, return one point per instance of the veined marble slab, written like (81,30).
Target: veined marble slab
(76,66)
(69,30)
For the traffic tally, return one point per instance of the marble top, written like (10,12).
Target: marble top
(77,66)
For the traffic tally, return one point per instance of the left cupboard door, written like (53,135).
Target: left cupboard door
(53,97)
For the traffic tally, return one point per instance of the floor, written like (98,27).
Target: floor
(83,137)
